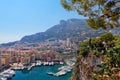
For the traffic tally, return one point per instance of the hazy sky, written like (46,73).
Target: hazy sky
(25,17)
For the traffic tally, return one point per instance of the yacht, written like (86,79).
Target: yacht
(7,75)
(11,72)
(45,63)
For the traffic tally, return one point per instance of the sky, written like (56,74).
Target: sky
(25,17)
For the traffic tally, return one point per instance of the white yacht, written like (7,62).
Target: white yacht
(7,75)
(45,63)
(51,63)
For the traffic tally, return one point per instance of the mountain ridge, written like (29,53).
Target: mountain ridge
(71,28)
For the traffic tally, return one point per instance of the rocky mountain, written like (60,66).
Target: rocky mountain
(62,30)
(75,29)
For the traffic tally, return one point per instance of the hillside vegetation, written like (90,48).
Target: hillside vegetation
(98,59)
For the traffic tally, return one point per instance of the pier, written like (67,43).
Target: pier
(64,69)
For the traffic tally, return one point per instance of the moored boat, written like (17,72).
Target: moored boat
(7,75)
(51,63)
(45,63)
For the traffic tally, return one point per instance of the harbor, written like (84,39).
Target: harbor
(9,73)
(40,73)
(25,60)
(51,69)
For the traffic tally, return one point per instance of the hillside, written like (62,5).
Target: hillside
(75,29)
(98,59)
(63,30)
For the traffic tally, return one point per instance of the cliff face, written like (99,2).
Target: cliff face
(85,69)
(85,66)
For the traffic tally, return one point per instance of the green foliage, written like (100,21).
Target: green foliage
(106,47)
(101,13)
(96,23)
(107,37)
(84,50)
(114,57)
(117,41)
(99,44)
(68,7)
(111,58)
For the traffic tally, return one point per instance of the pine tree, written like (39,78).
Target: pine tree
(100,13)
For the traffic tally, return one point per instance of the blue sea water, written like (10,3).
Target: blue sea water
(40,73)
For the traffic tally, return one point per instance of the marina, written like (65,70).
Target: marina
(40,73)
(9,73)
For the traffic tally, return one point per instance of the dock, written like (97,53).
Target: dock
(64,69)
(60,73)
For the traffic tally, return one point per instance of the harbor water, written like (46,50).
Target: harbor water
(40,73)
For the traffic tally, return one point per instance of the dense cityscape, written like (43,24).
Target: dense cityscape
(8,57)
(52,52)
